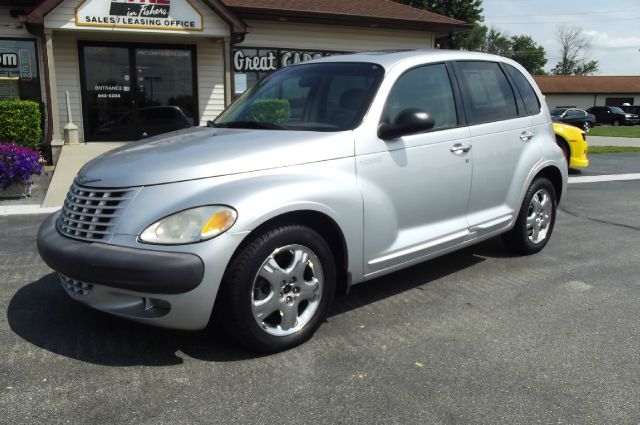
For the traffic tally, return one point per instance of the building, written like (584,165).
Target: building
(585,92)
(133,68)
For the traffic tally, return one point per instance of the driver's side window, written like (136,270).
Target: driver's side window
(427,88)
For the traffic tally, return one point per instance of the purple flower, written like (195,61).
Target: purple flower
(18,164)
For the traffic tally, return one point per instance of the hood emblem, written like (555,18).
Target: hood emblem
(82,179)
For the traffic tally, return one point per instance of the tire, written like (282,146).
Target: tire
(536,219)
(268,304)
(566,150)
(586,126)
(616,123)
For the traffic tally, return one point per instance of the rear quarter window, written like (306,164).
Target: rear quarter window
(487,94)
(528,94)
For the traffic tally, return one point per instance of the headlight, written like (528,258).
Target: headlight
(189,226)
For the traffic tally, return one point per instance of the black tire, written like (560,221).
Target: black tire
(616,123)
(237,289)
(519,238)
(566,150)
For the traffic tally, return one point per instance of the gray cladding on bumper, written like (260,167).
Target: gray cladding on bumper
(119,267)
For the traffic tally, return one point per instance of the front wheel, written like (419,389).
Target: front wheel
(616,123)
(535,220)
(277,290)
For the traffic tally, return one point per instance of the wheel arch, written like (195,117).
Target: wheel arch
(554,175)
(562,142)
(322,223)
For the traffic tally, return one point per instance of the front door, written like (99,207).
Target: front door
(133,92)
(416,188)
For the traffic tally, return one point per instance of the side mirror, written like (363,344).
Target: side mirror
(410,121)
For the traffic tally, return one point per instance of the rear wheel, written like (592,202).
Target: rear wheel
(536,219)
(277,290)
(586,126)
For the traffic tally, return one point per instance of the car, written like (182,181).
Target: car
(152,120)
(573,142)
(257,221)
(575,117)
(631,109)
(613,115)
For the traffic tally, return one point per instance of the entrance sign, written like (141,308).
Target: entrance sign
(165,15)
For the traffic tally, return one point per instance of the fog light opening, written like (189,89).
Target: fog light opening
(154,303)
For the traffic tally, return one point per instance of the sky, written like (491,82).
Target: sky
(613,26)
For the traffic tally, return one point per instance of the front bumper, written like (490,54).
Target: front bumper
(132,269)
(151,286)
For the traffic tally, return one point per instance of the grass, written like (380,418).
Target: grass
(612,149)
(620,131)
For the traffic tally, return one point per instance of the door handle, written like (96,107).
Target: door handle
(459,148)
(525,136)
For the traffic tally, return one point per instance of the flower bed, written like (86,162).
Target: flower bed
(17,165)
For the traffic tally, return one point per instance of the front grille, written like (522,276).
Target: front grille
(91,214)
(75,287)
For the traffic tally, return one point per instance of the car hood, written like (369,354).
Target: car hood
(201,152)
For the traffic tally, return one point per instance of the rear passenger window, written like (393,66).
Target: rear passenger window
(427,88)
(531,102)
(486,92)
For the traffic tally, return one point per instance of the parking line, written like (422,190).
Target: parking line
(604,178)
(26,209)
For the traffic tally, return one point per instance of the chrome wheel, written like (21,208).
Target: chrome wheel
(287,290)
(586,127)
(539,216)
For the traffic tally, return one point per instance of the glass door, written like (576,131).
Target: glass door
(133,92)
(107,94)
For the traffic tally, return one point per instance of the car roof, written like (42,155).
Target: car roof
(389,58)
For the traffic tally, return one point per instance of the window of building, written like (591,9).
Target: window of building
(487,92)
(19,75)
(618,101)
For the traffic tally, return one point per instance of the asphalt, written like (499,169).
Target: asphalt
(477,336)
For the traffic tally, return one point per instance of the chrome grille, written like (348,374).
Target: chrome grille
(92,214)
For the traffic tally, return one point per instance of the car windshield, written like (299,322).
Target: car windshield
(308,97)
(558,111)
(616,110)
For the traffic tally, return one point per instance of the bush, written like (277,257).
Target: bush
(18,164)
(20,123)
(273,111)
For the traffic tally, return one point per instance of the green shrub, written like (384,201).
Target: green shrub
(20,123)
(273,111)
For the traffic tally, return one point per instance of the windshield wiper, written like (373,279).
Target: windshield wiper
(249,124)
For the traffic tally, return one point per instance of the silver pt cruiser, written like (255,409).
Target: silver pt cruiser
(323,175)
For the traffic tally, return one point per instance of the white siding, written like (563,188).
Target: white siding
(65,51)
(63,17)
(332,37)
(210,79)
(584,101)
(11,27)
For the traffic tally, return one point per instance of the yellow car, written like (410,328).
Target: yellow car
(573,141)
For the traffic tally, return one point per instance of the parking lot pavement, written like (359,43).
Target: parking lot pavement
(473,337)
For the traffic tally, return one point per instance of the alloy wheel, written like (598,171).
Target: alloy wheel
(287,290)
(539,216)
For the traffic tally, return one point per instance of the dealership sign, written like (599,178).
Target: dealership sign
(176,15)
(266,60)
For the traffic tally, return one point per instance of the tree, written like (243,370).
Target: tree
(574,53)
(496,43)
(527,53)
(469,11)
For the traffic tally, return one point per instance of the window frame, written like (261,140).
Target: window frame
(516,98)
(516,91)
(461,120)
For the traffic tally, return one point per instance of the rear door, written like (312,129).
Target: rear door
(502,132)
